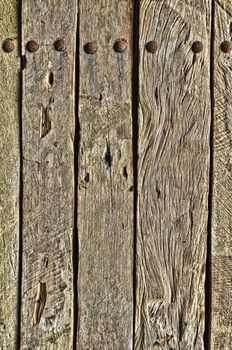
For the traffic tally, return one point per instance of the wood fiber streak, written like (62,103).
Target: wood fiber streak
(105,179)
(173,173)
(9,174)
(221,324)
(48,175)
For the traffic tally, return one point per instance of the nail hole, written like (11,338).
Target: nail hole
(158,192)
(86,178)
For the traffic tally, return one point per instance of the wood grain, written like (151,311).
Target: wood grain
(105,179)
(9,174)
(221,327)
(173,172)
(48,132)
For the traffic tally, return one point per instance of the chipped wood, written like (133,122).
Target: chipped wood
(40,301)
(173,173)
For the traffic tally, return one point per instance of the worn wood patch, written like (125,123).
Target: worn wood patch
(105,179)
(48,132)
(173,172)
(221,316)
(9,174)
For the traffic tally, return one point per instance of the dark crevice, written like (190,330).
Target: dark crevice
(50,79)
(20,138)
(108,156)
(135,95)
(75,245)
(208,280)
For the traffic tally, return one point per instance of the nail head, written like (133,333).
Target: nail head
(152,46)
(8,45)
(197,46)
(120,45)
(226,46)
(60,45)
(90,48)
(32,46)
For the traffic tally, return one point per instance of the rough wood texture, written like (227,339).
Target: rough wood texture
(48,131)
(221,327)
(105,193)
(174,120)
(9,175)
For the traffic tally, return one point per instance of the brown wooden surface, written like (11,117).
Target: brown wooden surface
(60,88)
(105,179)
(9,174)
(221,316)
(173,172)
(48,132)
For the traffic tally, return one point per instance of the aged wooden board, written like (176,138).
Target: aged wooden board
(221,324)
(173,172)
(48,180)
(105,179)
(9,174)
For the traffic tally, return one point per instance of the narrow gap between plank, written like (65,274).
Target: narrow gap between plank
(75,245)
(208,280)
(20,138)
(135,96)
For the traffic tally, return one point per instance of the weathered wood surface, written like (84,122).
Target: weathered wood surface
(105,179)
(173,172)
(48,132)
(221,316)
(9,175)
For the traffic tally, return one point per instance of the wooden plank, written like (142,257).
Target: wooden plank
(48,132)
(105,193)
(173,172)
(221,327)
(9,174)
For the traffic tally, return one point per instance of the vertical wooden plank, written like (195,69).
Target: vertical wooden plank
(174,125)
(221,325)
(105,193)
(9,174)
(48,131)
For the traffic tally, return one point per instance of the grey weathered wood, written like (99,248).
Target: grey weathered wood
(173,171)
(48,132)
(221,324)
(9,174)
(105,180)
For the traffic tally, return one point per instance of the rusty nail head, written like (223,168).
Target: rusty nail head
(152,46)
(8,45)
(90,47)
(197,46)
(60,44)
(32,46)
(226,46)
(120,45)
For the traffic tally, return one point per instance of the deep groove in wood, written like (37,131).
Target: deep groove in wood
(75,249)
(135,95)
(208,280)
(19,280)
